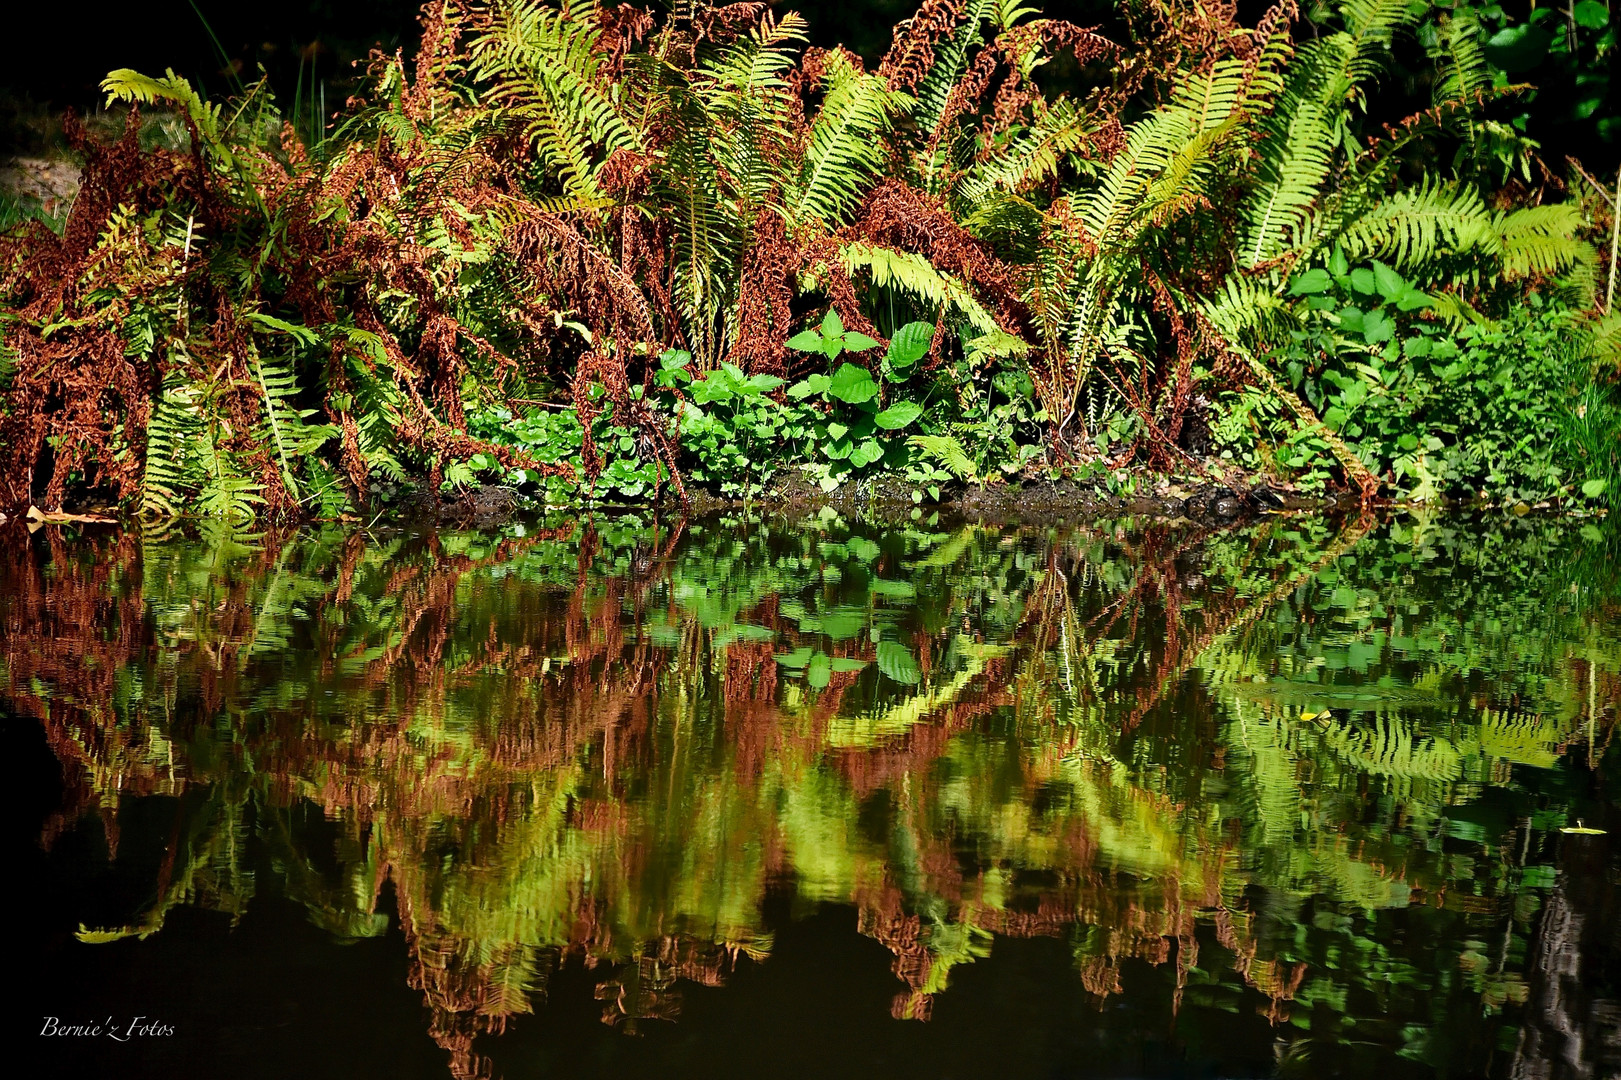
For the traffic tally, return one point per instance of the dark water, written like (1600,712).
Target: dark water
(735,798)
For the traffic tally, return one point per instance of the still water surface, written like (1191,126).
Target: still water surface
(731,797)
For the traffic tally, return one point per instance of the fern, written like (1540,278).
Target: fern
(913,273)
(845,152)
(948,452)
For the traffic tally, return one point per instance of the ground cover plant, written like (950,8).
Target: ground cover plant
(599,253)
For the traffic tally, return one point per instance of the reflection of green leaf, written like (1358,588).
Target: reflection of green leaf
(844,663)
(796,659)
(844,623)
(819,671)
(896,661)
(862,548)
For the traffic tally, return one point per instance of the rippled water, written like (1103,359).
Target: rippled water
(733,797)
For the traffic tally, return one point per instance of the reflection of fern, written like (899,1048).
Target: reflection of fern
(1390,748)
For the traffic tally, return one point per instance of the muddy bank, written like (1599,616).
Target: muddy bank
(889,498)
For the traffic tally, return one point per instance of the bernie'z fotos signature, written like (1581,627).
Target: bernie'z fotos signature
(141,1027)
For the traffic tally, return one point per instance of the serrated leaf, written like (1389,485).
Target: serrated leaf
(853,384)
(1311,283)
(867,453)
(858,342)
(897,662)
(832,325)
(910,343)
(1390,284)
(1593,488)
(898,415)
(815,384)
(806,341)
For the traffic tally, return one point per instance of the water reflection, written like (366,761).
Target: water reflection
(1319,766)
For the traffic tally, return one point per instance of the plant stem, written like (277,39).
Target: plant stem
(1615,234)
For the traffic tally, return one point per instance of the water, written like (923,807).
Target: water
(732,798)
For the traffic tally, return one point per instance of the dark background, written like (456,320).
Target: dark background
(53,56)
(56,55)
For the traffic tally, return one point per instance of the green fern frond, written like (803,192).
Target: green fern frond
(948,452)
(1415,226)
(845,153)
(913,273)
(1541,240)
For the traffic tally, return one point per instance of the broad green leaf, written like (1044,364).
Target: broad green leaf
(1311,283)
(837,430)
(853,384)
(1593,488)
(819,670)
(897,662)
(671,359)
(814,384)
(1591,14)
(857,342)
(844,663)
(1413,300)
(867,453)
(806,341)
(910,344)
(1390,284)
(1518,48)
(832,325)
(898,415)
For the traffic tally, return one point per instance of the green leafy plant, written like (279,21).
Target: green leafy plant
(855,431)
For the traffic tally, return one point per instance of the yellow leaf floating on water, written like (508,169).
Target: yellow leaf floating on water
(1581,829)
